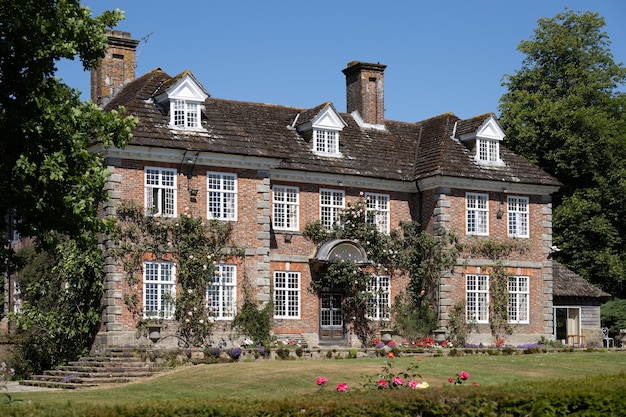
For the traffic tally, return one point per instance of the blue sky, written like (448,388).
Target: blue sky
(441,57)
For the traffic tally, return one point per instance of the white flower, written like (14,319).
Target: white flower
(189,313)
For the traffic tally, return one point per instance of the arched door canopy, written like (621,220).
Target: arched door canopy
(341,249)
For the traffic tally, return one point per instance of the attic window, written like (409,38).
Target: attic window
(185,114)
(326,141)
(487,150)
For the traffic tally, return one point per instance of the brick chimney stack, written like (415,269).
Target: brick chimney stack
(365,91)
(114,70)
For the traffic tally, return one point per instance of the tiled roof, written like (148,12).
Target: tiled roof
(403,151)
(567,283)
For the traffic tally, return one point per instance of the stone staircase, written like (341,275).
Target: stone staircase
(117,366)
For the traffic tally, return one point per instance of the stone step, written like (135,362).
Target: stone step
(55,384)
(97,369)
(131,374)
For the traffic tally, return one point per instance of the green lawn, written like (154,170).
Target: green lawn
(276,380)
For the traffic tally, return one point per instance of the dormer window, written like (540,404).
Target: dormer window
(482,136)
(326,141)
(487,150)
(185,114)
(183,97)
(321,127)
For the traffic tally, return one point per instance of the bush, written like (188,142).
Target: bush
(613,315)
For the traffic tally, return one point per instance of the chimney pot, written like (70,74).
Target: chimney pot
(116,69)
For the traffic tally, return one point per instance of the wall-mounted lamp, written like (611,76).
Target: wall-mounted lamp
(288,237)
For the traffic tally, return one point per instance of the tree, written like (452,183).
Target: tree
(564,112)
(49,181)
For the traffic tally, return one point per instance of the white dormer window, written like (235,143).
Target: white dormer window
(322,126)
(185,114)
(484,141)
(326,141)
(183,96)
(487,150)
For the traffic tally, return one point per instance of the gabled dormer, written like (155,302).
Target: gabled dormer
(322,126)
(182,98)
(482,135)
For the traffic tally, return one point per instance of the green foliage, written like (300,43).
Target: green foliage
(194,243)
(60,313)
(458,327)
(407,250)
(412,322)
(564,111)
(613,315)
(51,181)
(255,322)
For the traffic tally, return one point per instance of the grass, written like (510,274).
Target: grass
(276,380)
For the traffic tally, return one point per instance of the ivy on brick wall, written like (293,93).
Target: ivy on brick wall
(194,243)
(406,250)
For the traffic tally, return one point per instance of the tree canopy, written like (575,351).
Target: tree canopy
(49,180)
(564,111)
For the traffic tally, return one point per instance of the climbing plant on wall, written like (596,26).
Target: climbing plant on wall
(194,243)
(406,250)
(496,250)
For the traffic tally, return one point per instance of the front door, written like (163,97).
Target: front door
(331,319)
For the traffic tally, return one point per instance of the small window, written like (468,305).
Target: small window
(160,192)
(286,295)
(185,114)
(379,306)
(477,298)
(519,296)
(221,196)
(286,206)
(477,214)
(332,202)
(326,141)
(488,150)
(159,289)
(222,293)
(517,208)
(377,211)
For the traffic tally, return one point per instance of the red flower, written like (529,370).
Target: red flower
(321,381)
(464,375)
(381,384)
(475,383)
(342,387)
(450,380)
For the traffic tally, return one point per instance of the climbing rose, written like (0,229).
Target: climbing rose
(382,384)
(464,375)
(342,387)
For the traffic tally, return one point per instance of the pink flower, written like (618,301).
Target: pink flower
(475,384)
(398,381)
(321,381)
(412,384)
(342,387)
(382,384)
(464,375)
(450,380)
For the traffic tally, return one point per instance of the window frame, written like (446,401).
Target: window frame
(374,214)
(379,305)
(330,210)
(477,306)
(292,296)
(224,198)
(226,293)
(185,114)
(479,223)
(519,299)
(326,142)
(164,309)
(518,219)
(288,211)
(166,193)
(487,150)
